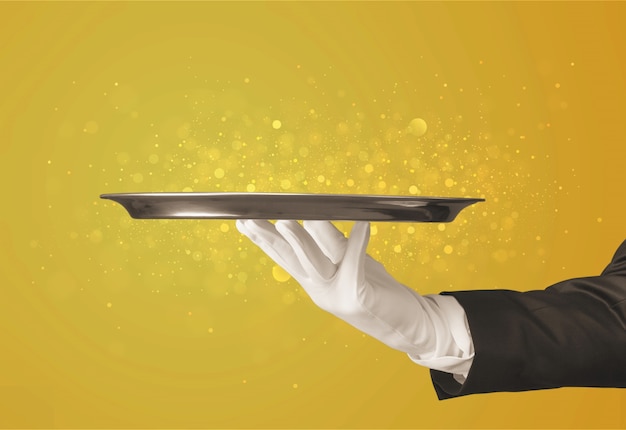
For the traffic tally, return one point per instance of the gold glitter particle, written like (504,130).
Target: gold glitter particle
(599,220)
(448,249)
(280,274)
(109,304)
(369,168)
(350,182)
(250,188)
(224,227)
(410,230)
(137,178)
(276,124)
(285,184)
(210,330)
(414,190)
(397,249)
(449,182)
(441,227)
(295,385)
(219,173)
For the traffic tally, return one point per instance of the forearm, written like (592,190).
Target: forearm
(571,334)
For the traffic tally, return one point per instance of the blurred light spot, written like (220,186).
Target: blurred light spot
(183,130)
(219,173)
(276,124)
(280,274)
(95,236)
(289,298)
(122,158)
(137,178)
(448,249)
(417,127)
(224,228)
(500,255)
(91,127)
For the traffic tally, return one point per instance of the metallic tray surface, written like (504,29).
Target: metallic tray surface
(332,207)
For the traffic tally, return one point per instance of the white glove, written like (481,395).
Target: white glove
(342,279)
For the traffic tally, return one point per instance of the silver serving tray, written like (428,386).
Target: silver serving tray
(332,207)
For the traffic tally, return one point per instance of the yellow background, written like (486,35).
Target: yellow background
(107,321)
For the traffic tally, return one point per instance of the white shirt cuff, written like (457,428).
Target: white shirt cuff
(455,349)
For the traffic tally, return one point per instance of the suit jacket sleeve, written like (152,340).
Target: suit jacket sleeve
(570,334)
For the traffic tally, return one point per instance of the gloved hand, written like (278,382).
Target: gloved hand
(342,279)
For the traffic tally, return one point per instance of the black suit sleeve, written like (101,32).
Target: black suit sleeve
(570,334)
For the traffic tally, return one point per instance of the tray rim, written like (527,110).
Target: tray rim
(110,196)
